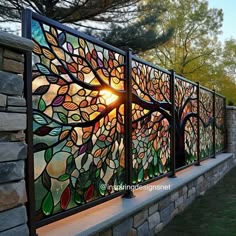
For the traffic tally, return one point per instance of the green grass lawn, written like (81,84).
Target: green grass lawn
(214,214)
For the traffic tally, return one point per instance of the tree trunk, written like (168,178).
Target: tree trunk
(179,150)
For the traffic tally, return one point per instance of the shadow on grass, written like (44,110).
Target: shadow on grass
(214,214)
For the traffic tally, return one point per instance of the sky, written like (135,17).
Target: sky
(229,23)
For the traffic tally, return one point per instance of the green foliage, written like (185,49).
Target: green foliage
(229,58)
(194,50)
(142,34)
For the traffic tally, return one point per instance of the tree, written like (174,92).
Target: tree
(229,58)
(193,48)
(114,21)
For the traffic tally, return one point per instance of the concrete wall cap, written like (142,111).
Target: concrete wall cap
(231,107)
(15,42)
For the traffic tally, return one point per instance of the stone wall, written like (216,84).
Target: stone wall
(231,129)
(151,220)
(13,148)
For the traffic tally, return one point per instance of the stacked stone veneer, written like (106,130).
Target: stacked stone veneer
(151,220)
(231,129)
(13,148)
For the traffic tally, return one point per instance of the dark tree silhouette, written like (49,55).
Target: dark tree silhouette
(122,23)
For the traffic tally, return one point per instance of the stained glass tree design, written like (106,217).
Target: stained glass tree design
(150,119)
(186,122)
(79,98)
(220,127)
(78,114)
(206,128)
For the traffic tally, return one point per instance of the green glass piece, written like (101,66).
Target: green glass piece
(47,206)
(64,177)
(140,175)
(78,198)
(62,117)
(150,172)
(40,193)
(40,119)
(42,105)
(97,173)
(75,117)
(48,154)
(102,187)
(156,170)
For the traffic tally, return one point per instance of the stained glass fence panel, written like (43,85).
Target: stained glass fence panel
(220,126)
(186,122)
(150,122)
(78,120)
(206,122)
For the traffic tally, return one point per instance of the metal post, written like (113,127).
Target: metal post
(198,125)
(172,132)
(26,32)
(128,124)
(214,124)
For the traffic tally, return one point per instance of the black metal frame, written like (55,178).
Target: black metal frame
(26,26)
(26,32)
(173,125)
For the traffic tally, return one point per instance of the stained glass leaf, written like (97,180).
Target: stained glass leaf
(42,105)
(47,205)
(41,90)
(70,47)
(39,119)
(98,153)
(71,68)
(48,54)
(74,136)
(75,117)
(102,187)
(64,134)
(86,70)
(85,116)
(48,155)
(82,43)
(51,39)
(65,198)
(58,101)
(55,131)
(42,131)
(80,76)
(70,165)
(37,49)
(63,90)
(82,149)
(61,38)
(53,31)
(140,175)
(78,198)
(55,71)
(64,177)
(89,193)
(70,106)
(62,117)
(43,69)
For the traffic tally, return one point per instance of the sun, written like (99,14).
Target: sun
(108,96)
